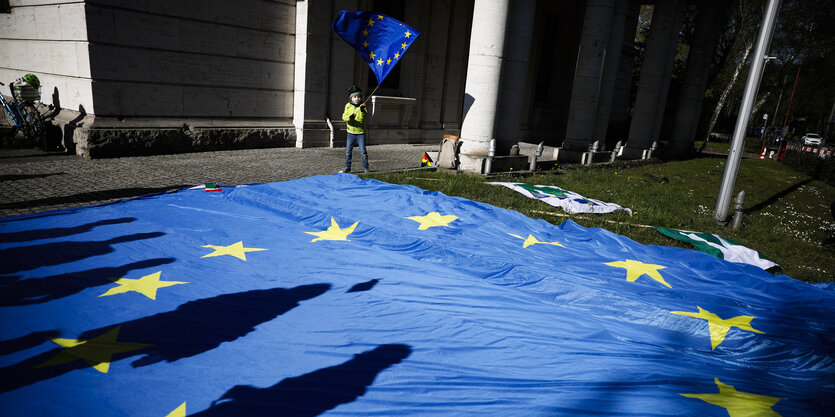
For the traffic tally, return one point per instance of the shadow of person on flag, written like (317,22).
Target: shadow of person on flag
(313,393)
(26,342)
(48,254)
(40,290)
(56,232)
(193,328)
(364,286)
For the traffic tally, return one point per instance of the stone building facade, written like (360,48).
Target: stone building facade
(154,76)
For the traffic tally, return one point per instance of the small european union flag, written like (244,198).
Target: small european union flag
(380,39)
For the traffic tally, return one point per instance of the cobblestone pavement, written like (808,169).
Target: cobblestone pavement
(33,181)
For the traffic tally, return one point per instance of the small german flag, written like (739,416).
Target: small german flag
(427,161)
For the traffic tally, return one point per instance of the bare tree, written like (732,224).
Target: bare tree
(727,91)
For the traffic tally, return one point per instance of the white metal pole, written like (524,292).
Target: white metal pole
(751,86)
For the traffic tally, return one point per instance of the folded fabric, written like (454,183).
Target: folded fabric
(721,248)
(569,201)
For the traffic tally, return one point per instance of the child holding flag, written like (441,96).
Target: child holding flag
(354,116)
(378,39)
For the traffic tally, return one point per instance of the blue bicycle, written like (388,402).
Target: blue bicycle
(20,113)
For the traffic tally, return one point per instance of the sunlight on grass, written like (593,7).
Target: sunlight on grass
(787,213)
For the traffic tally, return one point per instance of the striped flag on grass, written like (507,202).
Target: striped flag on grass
(721,248)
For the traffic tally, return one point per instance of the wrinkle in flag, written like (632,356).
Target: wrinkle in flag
(333,295)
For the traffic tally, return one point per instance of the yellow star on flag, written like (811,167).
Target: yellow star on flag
(533,241)
(380,62)
(96,351)
(388,61)
(372,55)
(718,326)
(236,249)
(365,32)
(433,219)
(408,33)
(635,269)
(365,44)
(739,404)
(396,55)
(178,412)
(334,232)
(147,285)
(379,17)
(403,45)
(370,22)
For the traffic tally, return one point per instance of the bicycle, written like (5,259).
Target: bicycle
(21,114)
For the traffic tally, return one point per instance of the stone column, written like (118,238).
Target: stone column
(437,31)
(672,45)
(455,67)
(655,76)
(484,73)
(310,81)
(689,106)
(513,92)
(619,110)
(413,74)
(611,65)
(588,75)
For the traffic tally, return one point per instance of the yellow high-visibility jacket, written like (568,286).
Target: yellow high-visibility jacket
(356,126)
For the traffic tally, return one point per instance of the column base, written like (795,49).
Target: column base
(477,164)
(632,153)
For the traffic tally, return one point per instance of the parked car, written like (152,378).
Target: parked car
(811,139)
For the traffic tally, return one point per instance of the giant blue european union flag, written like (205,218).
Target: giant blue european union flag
(379,39)
(340,296)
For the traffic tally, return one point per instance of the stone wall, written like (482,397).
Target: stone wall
(108,143)
(192,58)
(49,39)
(121,70)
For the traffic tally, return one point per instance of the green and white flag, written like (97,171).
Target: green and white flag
(719,247)
(569,201)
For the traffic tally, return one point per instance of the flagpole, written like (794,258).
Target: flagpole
(751,86)
(372,93)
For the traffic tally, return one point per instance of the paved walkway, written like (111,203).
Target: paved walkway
(33,181)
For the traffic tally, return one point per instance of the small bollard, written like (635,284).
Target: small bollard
(536,155)
(615,151)
(652,149)
(588,156)
(491,152)
(739,200)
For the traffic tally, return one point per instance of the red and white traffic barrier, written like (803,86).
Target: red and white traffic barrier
(823,153)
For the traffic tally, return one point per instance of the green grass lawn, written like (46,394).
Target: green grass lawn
(787,217)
